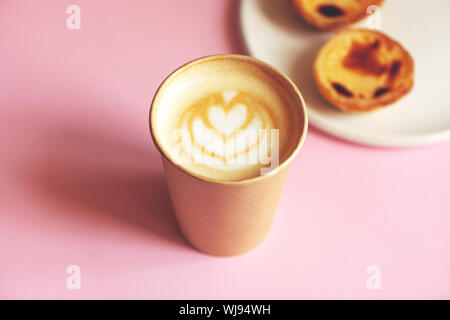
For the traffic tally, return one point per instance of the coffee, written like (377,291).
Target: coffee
(227,119)
(228,128)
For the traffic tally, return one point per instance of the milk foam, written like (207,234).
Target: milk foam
(217,120)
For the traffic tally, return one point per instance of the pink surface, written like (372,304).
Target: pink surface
(82,184)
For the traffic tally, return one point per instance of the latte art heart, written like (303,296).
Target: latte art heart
(227,122)
(226,129)
(217,145)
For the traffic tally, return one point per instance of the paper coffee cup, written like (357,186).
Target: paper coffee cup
(223,217)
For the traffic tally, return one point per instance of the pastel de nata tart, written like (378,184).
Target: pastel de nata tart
(333,14)
(363,70)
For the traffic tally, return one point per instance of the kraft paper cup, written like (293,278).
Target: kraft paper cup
(226,218)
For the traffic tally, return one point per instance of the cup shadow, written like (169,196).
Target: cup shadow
(104,180)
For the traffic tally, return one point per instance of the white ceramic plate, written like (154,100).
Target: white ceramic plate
(273,33)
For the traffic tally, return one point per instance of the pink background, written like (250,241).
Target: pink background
(81,182)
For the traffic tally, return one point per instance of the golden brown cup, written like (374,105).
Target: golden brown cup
(222,217)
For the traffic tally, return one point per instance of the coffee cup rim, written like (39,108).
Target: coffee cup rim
(244,58)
